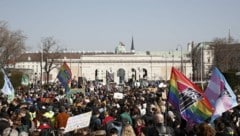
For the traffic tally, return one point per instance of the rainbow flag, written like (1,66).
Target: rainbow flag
(188,99)
(220,94)
(65,76)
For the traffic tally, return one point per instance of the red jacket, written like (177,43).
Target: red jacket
(61,120)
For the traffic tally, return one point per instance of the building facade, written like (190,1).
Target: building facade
(119,66)
(203,61)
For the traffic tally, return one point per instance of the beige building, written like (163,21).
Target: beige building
(120,65)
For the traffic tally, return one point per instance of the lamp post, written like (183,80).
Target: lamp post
(201,74)
(172,54)
(181,56)
(166,59)
(35,82)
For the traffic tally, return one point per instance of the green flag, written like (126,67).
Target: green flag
(25,80)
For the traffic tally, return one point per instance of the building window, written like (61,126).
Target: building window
(208,60)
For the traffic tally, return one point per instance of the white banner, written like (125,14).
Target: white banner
(78,121)
(118,96)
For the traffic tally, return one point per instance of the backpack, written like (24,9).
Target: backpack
(114,124)
(95,123)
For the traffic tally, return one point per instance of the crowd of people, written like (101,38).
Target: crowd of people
(140,112)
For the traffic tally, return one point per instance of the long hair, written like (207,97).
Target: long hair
(128,131)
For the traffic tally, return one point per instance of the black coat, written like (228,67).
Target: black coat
(4,123)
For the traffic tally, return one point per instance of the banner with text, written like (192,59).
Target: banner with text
(78,121)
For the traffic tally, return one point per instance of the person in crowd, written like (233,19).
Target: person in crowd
(148,117)
(125,116)
(21,122)
(139,126)
(116,124)
(206,130)
(13,107)
(140,112)
(61,119)
(219,127)
(180,127)
(95,122)
(113,132)
(171,119)
(128,130)
(159,127)
(10,132)
(45,127)
(5,121)
(107,118)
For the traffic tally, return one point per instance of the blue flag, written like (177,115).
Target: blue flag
(8,88)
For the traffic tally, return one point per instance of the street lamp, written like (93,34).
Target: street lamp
(172,54)
(181,56)
(201,74)
(166,59)
(35,82)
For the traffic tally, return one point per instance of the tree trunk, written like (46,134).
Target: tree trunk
(48,73)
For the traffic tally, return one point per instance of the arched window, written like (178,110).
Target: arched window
(145,73)
(134,72)
(121,75)
(96,74)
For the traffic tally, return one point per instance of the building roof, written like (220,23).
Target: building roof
(36,57)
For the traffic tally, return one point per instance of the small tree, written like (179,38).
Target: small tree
(226,55)
(50,52)
(12,45)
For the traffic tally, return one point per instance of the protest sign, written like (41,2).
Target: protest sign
(78,121)
(118,96)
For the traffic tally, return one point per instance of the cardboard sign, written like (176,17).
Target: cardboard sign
(118,96)
(78,121)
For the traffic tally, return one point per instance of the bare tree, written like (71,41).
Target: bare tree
(226,55)
(12,45)
(50,53)
(194,58)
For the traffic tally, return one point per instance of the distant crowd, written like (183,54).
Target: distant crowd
(140,112)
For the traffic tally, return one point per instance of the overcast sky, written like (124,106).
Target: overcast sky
(99,25)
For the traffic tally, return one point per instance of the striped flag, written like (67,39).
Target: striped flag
(65,76)
(220,94)
(188,99)
(7,87)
